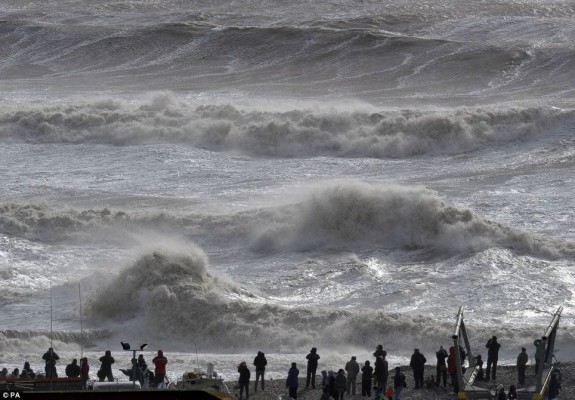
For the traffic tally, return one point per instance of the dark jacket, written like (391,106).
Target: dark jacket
(50,357)
(73,370)
(367,373)
(292,380)
(244,374)
(493,352)
(312,360)
(418,361)
(441,357)
(399,380)
(107,360)
(260,361)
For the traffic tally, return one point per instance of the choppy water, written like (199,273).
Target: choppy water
(242,176)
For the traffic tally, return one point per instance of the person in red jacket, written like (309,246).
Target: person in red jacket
(452,369)
(84,372)
(160,372)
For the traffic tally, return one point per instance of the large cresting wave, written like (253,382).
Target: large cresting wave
(342,132)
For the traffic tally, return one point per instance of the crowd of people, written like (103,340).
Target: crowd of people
(138,371)
(375,379)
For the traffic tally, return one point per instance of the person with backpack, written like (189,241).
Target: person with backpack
(399,383)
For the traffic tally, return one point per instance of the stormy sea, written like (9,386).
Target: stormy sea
(216,179)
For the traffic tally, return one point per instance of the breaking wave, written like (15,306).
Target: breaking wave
(345,215)
(350,214)
(295,133)
(176,296)
(11,339)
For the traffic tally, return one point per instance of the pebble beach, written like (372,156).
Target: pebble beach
(506,375)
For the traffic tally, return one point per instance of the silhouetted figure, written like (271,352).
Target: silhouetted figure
(160,363)
(441,369)
(50,357)
(366,375)
(260,363)
(340,384)
(352,369)
(105,371)
(312,362)
(244,379)
(417,363)
(292,381)
(492,357)
(522,360)
(73,369)
(84,372)
(381,371)
(27,371)
(399,383)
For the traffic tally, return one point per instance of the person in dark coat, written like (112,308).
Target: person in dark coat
(292,381)
(381,372)
(417,363)
(352,369)
(366,375)
(73,369)
(522,360)
(492,357)
(479,363)
(340,384)
(441,370)
(379,351)
(106,368)
(331,384)
(260,363)
(399,383)
(244,379)
(312,361)
(50,357)
(84,371)
(501,393)
(27,372)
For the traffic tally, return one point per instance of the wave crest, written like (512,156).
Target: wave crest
(295,133)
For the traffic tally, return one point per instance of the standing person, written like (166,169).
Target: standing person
(292,381)
(145,372)
(106,368)
(539,351)
(84,372)
(50,357)
(417,363)
(479,363)
(492,357)
(379,351)
(340,384)
(244,379)
(522,360)
(160,363)
(380,372)
(452,369)
(441,373)
(352,369)
(27,372)
(399,383)
(312,361)
(366,374)
(73,369)
(260,363)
